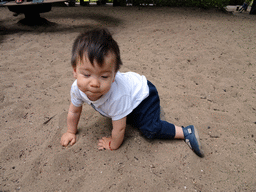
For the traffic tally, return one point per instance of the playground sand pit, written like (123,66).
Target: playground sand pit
(203,63)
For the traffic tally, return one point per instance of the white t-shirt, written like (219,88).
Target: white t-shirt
(126,93)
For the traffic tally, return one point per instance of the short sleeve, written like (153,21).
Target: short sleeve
(75,95)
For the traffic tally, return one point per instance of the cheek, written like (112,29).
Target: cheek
(80,86)
(81,83)
(107,85)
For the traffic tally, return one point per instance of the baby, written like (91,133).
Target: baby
(126,98)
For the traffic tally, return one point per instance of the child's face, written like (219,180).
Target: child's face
(95,81)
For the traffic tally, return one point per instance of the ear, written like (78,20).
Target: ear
(114,77)
(74,72)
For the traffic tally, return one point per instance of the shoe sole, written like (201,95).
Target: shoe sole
(198,140)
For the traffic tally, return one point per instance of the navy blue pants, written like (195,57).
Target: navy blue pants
(146,117)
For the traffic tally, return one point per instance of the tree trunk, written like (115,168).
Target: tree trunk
(253,10)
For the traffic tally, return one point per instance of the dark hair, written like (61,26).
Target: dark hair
(95,45)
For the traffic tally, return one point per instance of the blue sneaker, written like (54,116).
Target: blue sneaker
(192,139)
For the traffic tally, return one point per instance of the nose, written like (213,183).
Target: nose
(95,83)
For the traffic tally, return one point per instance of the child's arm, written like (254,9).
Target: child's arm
(72,122)
(117,136)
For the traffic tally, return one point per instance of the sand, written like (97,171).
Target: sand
(201,61)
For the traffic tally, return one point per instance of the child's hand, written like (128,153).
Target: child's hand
(68,138)
(104,143)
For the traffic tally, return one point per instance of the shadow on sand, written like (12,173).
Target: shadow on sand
(41,24)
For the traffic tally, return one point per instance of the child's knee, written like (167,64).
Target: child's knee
(148,134)
(151,131)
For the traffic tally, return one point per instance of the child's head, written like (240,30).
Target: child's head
(95,45)
(95,61)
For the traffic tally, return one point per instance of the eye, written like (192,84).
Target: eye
(86,75)
(104,77)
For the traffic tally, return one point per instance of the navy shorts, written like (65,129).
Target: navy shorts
(146,117)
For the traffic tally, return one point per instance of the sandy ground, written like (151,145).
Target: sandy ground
(203,64)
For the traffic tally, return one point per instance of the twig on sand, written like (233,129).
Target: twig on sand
(49,119)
